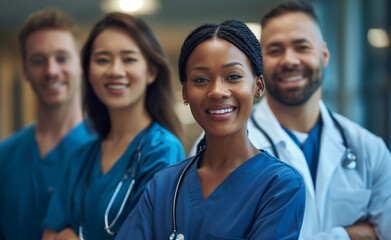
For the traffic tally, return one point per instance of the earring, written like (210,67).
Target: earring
(185,103)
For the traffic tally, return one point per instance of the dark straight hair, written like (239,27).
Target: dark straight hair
(159,97)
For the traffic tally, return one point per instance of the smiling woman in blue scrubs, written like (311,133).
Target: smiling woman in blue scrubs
(128,98)
(230,190)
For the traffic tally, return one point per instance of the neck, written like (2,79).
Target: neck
(58,121)
(301,118)
(237,150)
(127,123)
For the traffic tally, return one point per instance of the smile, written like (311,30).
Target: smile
(116,86)
(55,85)
(221,111)
(292,79)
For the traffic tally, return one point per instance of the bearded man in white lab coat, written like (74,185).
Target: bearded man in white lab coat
(348,193)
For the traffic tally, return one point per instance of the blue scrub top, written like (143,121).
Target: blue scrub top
(27,181)
(159,149)
(263,198)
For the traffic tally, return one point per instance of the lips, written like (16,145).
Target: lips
(54,85)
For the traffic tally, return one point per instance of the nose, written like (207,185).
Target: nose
(218,90)
(290,58)
(116,69)
(52,68)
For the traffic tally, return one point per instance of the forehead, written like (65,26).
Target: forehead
(49,41)
(290,27)
(114,38)
(216,51)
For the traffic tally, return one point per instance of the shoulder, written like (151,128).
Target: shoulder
(172,172)
(160,136)
(358,136)
(278,170)
(19,138)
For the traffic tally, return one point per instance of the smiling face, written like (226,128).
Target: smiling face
(119,72)
(52,66)
(220,87)
(294,58)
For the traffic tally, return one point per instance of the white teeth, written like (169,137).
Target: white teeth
(221,111)
(292,79)
(55,85)
(116,87)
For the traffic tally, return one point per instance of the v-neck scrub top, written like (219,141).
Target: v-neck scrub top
(158,149)
(262,199)
(28,181)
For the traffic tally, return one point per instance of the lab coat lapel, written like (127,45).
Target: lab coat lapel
(330,156)
(289,152)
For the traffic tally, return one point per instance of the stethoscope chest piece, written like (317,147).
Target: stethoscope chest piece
(176,236)
(350,160)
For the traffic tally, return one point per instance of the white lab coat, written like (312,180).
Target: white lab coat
(342,196)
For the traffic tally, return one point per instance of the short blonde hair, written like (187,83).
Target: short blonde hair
(47,19)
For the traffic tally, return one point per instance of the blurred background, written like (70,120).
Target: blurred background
(357,81)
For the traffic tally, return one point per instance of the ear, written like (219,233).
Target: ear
(184,93)
(326,55)
(259,87)
(152,74)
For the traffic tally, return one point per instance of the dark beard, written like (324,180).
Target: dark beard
(290,98)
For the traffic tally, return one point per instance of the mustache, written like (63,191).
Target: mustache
(286,69)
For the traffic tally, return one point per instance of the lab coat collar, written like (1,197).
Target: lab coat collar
(288,150)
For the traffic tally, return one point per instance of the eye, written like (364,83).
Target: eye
(129,60)
(200,80)
(303,48)
(101,60)
(62,59)
(274,51)
(234,76)
(37,62)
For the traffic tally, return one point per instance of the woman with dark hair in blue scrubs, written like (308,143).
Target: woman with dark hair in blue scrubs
(230,189)
(129,100)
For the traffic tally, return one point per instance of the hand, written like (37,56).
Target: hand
(361,231)
(67,234)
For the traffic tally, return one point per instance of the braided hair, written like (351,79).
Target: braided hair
(234,31)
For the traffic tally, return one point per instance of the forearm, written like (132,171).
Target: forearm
(361,231)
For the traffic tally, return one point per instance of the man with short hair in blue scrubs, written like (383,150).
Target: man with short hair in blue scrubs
(32,160)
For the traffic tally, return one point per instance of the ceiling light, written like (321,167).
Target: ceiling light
(378,38)
(131,6)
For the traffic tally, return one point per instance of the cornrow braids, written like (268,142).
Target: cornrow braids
(233,31)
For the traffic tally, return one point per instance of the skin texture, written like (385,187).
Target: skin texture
(294,57)
(119,75)
(220,78)
(52,67)
(117,61)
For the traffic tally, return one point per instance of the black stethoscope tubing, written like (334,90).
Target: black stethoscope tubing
(349,160)
(125,176)
(175,235)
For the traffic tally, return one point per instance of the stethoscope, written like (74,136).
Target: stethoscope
(174,234)
(349,160)
(129,172)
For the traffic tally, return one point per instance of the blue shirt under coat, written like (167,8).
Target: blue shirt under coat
(263,198)
(159,149)
(28,181)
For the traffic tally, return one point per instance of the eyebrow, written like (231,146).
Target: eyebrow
(104,52)
(201,68)
(294,42)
